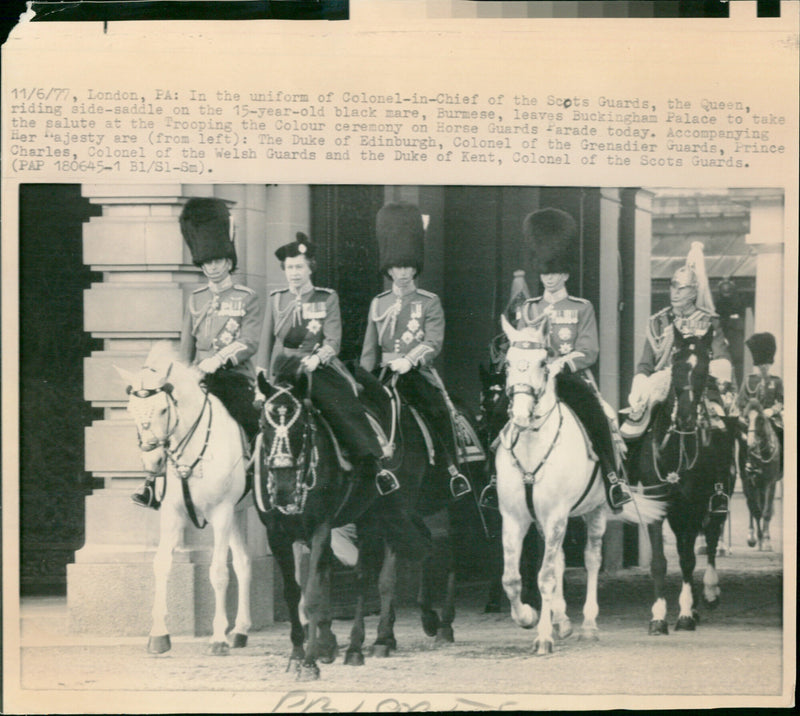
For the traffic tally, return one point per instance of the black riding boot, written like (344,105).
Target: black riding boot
(146,497)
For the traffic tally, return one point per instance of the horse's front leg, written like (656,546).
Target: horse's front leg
(280,544)
(562,626)
(385,643)
(320,549)
(354,656)
(514,530)
(171,527)
(243,569)
(221,519)
(766,517)
(554,532)
(592,557)
(711,590)
(658,573)
(685,537)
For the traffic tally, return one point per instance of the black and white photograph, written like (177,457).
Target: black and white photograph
(428,370)
(405,355)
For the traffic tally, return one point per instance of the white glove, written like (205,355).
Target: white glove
(310,363)
(769,412)
(210,365)
(400,365)
(638,395)
(721,369)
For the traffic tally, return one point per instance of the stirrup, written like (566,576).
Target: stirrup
(618,494)
(718,503)
(488,498)
(459,486)
(386,482)
(146,497)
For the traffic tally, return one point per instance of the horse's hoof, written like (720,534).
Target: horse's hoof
(563,629)
(158,644)
(430,622)
(685,624)
(765,546)
(308,672)
(751,542)
(658,627)
(328,649)
(711,603)
(445,635)
(218,648)
(381,651)
(354,658)
(543,647)
(238,641)
(589,635)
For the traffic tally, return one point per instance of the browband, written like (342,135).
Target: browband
(529,345)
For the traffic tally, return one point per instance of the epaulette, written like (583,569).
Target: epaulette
(278,290)
(385,293)
(242,287)
(578,299)
(535,300)
(662,312)
(423,292)
(326,290)
(202,288)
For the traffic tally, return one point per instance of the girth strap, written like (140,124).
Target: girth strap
(589,485)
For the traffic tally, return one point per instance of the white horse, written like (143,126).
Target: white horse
(543,453)
(189,432)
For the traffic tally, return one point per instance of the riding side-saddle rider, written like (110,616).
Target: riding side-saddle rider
(762,385)
(222,321)
(405,331)
(303,331)
(691,312)
(551,235)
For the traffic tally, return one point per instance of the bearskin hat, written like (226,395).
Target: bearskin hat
(206,228)
(301,246)
(550,235)
(762,348)
(401,236)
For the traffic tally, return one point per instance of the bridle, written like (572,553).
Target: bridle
(143,417)
(526,388)
(769,441)
(280,454)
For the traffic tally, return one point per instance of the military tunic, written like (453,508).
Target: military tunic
(769,393)
(573,328)
(409,326)
(222,321)
(296,326)
(660,337)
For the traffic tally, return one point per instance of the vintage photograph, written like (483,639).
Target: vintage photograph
(514,441)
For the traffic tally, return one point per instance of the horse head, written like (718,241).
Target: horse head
(760,436)
(528,374)
(152,405)
(287,431)
(689,377)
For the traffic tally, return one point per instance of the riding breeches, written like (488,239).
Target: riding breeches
(236,393)
(420,393)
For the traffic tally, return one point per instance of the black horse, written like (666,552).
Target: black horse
(760,460)
(686,459)
(303,490)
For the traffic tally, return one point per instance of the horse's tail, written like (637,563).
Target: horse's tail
(642,510)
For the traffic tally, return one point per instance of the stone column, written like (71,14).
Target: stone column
(147,276)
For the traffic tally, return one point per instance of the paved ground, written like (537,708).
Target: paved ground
(734,658)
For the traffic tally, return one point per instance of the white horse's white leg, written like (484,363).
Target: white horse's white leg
(561,623)
(711,590)
(593,557)
(243,569)
(513,535)
(221,519)
(554,532)
(171,525)
(685,601)
(659,610)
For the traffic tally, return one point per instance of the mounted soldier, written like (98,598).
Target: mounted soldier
(303,332)
(222,321)
(762,385)
(405,331)
(690,313)
(574,343)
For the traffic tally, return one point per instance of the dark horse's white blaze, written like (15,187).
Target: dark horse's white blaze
(178,423)
(544,444)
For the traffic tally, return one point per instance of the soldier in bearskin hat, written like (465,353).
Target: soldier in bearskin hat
(551,235)
(405,330)
(763,385)
(303,330)
(222,322)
